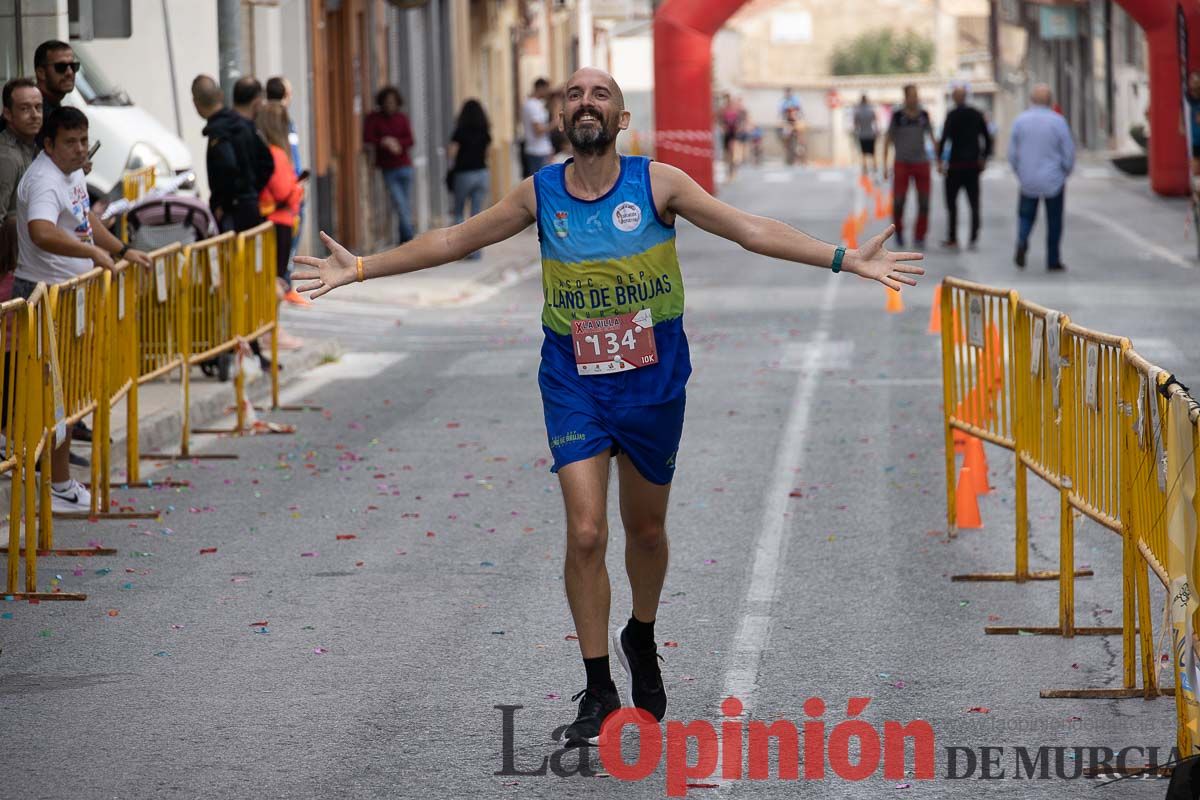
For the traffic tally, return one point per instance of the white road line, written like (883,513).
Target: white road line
(754,629)
(1137,240)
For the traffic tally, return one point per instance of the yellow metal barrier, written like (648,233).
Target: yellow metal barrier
(255,314)
(977,380)
(29,394)
(256,248)
(208,321)
(79,307)
(135,184)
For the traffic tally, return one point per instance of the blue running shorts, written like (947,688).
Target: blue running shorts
(579,427)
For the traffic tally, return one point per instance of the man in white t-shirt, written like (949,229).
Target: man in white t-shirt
(58,238)
(535,121)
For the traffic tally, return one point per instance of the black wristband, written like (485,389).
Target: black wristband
(124,249)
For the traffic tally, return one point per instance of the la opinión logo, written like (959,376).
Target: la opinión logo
(852,750)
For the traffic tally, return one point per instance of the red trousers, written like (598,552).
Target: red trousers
(904,172)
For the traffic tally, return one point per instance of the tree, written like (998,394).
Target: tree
(883,53)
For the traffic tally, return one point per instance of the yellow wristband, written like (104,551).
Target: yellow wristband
(358,264)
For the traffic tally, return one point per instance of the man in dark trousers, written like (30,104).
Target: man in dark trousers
(970,143)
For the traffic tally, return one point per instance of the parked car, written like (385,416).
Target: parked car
(129,137)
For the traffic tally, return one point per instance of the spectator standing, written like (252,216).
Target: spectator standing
(535,122)
(23,121)
(59,238)
(238,161)
(279,90)
(966,131)
(1042,154)
(55,66)
(866,129)
(909,128)
(731,117)
(280,200)
(389,134)
(232,161)
(789,106)
(468,156)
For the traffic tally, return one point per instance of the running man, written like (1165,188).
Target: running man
(615,358)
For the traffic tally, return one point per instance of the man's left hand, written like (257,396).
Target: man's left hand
(875,262)
(137,257)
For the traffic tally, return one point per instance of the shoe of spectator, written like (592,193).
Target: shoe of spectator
(73,499)
(81,432)
(296,299)
(289,342)
(79,461)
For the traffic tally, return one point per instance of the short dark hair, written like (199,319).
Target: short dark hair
(246,90)
(13,85)
(383,94)
(276,88)
(64,118)
(541,83)
(41,56)
(908,86)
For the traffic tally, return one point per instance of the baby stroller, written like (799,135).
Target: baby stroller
(160,221)
(155,222)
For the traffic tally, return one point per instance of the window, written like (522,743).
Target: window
(10,40)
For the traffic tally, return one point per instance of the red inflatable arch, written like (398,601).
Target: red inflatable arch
(683,31)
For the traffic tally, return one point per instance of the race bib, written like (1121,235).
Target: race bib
(614,344)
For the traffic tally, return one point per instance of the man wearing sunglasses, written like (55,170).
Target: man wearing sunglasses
(55,66)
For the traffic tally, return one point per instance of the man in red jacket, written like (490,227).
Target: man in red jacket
(390,137)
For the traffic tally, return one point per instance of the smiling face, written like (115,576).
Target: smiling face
(593,112)
(25,115)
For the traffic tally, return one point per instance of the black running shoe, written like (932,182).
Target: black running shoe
(594,708)
(646,689)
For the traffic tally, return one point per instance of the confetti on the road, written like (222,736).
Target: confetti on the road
(112,612)
(207,550)
(310,554)
(320,651)
(345,537)
(978,710)
(710,561)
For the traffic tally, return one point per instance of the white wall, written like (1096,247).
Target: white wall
(139,65)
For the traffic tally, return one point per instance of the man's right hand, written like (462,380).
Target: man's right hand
(102,259)
(322,275)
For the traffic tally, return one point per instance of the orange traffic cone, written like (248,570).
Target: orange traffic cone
(960,441)
(880,210)
(895,303)
(997,348)
(850,232)
(975,461)
(935,313)
(966,504)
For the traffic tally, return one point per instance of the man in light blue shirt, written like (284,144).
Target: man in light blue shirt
(1042,155)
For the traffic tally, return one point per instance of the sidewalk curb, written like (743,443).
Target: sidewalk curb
(161,429)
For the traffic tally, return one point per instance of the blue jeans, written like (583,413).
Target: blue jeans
(399,185)
(1027,213)
(474,184)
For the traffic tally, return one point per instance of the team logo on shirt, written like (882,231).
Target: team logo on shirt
(627,216)
(560,224)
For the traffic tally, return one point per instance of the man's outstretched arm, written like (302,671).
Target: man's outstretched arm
(770,237)
(507,218)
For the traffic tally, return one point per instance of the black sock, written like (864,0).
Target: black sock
(641,634)
(598,676)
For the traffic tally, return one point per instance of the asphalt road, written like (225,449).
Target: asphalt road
(388,576)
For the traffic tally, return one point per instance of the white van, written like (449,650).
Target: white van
(129,137)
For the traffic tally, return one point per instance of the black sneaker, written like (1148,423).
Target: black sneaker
(1019,258)
(594,708)
(79,461)
(81,432)
(646,689)
(1059,267)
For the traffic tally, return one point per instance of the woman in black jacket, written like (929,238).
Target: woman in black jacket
(467,154)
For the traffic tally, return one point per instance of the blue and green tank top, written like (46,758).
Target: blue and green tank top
(603,257)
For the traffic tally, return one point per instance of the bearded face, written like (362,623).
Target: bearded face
(589,132)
